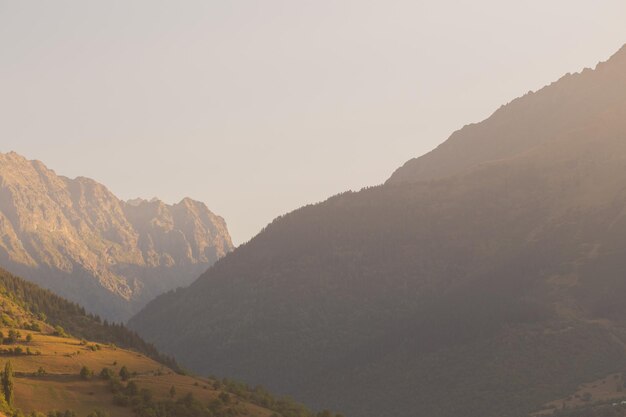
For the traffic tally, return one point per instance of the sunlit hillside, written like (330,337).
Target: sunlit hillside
(54,371)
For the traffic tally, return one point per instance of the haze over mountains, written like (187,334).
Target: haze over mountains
(76,238)
(483,279)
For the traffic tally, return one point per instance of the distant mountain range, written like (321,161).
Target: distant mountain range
(75,237)
(483,279)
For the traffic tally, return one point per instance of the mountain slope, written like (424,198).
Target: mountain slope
(76,238)
(571,103)
(478,286)
(49,307)
(54,371)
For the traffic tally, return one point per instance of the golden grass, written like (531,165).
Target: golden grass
(61,388)
(54,393)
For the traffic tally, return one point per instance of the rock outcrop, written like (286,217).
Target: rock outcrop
(76,238)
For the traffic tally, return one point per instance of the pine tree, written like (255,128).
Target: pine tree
(124,373)
(7,383)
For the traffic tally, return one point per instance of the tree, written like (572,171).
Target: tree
(132,389)
(14,336)
(59,331)
(106,373)
(85,373)
(29,338)
(7,382)
(124,373)
(172,392)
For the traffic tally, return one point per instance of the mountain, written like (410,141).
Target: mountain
(482,279)
(48,307)
(574,102)
(75,237)
(67,375)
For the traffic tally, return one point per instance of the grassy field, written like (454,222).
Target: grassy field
(49,378)
(55,371)
(47,366)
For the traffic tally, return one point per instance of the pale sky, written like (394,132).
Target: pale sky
(259,107)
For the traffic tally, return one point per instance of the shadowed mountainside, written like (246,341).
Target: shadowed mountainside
(76,238)
(483,279)
(53,370)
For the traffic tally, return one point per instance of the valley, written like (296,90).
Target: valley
(313,209)
(487,272)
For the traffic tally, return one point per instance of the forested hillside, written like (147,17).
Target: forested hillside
(59,362)
(73,319)
(485,289)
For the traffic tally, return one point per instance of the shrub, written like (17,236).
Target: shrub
(13,337)
(131,389)
(97,413)
(106,373)
(121,399)
(115,385)
(59,331)
(85,373)
(66,413)
(124,373)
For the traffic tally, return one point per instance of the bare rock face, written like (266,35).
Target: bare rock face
(76,238)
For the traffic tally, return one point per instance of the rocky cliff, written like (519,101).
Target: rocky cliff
(76,238)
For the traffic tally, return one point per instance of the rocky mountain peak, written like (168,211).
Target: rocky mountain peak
(77,238)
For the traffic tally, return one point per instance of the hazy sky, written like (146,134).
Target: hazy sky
(259,107)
